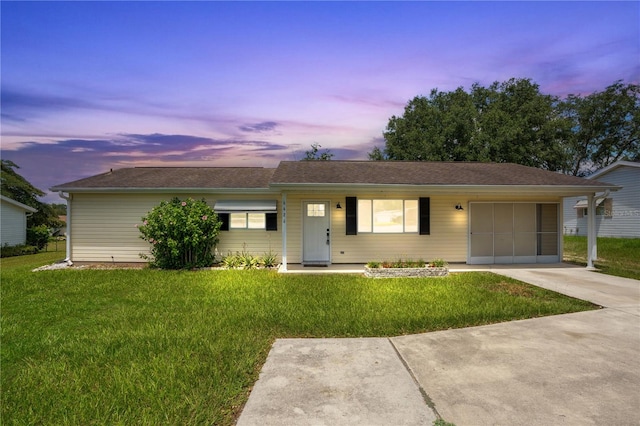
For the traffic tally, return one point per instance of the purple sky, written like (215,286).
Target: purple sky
(88,86)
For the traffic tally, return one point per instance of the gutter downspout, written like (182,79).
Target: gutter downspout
(68,199)
(592,237)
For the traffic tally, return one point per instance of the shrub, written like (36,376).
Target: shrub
(438,263)
(9,251)
(38,236)
(182,234)
(231,261)
(245,260)
(269,260)
(400,263)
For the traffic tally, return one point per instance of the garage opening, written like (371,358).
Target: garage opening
(513,233)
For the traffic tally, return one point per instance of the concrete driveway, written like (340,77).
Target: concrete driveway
(574,369)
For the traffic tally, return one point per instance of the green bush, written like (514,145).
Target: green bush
(10,251)
(269,260)
(38,236)
(246,260)
(438,263)
(182,234)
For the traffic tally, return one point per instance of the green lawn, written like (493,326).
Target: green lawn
(616,256)
(157,347)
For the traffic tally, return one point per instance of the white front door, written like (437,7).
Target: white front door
(316,233)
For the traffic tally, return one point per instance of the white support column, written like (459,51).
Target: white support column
(68,236)
(592,244)
(283,267)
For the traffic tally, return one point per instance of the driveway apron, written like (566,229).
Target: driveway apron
(574,369)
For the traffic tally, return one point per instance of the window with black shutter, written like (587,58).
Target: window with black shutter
(351,215)
(224,218)
(272,221)
(425,215)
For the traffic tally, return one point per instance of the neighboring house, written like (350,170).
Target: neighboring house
(13,221)
(62,230)
(617,215)
(322,212)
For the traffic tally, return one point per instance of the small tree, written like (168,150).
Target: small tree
(182,234)
(38,236)
(314,154)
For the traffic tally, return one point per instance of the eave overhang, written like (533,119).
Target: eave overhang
(137,190)
(555,190)
(276,188)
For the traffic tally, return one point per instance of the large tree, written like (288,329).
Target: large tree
(605,128)
(19,189)
(514,122)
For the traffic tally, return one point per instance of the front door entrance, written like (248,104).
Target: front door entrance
(316,248)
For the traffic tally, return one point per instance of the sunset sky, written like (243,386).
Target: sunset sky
(89,86)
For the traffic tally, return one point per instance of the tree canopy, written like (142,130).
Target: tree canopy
(314,153)
(605,128)
(19,189)
(514,122)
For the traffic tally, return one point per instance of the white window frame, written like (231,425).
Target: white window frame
(316,210)
(248,224)
(367,223)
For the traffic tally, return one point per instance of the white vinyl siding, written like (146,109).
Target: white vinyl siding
(620,212)
(104,228)
(13,227)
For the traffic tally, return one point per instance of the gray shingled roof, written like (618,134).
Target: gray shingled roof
(292,173)
(175,177)
(418,173)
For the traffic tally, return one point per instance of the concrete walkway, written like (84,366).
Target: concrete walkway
(335,382)
(575,369)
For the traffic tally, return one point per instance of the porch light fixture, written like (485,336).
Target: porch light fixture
(459,207)
(338,206)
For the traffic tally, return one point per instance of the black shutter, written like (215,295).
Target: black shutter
(425,216)
(351,215)
(272,221)
(224,218)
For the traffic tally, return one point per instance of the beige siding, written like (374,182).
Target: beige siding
(104,227)
(448,238)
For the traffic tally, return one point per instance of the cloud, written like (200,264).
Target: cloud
(46,164)
(20,105)
(562,66)
(368,101)
(265,126)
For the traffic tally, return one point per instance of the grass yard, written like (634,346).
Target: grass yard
(159,347)
(616,256)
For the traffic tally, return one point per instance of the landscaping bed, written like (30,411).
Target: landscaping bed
(425,271)
(406,269)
